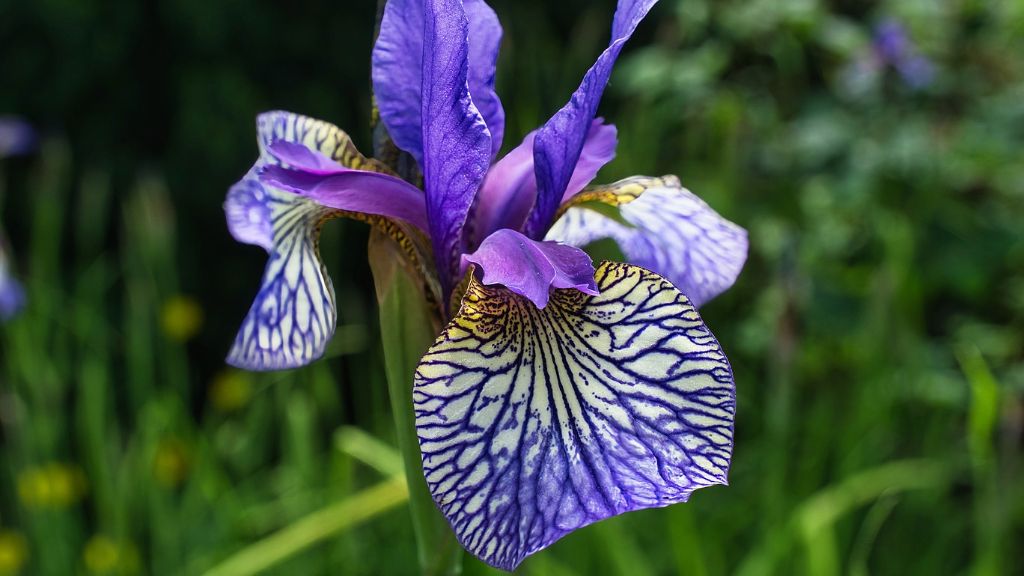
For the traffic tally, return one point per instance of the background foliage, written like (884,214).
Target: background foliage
(876,332)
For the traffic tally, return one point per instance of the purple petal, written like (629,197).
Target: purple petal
(534,423)
(323,138)
(349,190)
(248,212)
(484,43)
(917,71)
(299,157)
(510,189)
(16,136)
(560,141)
(531,268)
(398,70)
(891,41)
(598,150)
(457,145)
(674,233)
(12,296)
(398,73)
(508,192)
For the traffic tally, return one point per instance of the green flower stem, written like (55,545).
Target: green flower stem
(408,327)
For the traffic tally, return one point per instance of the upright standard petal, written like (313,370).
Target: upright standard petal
(533,423)
(484,43)
(667,229)
(294,314)
(531,268)
(456,142)
(398,68)
(510,189)
(397,71)
(560,141)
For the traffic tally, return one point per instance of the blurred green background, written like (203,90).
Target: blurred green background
(877,331)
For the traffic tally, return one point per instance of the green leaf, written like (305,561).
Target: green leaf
(316,527)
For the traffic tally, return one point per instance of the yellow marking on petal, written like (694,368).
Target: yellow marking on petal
(619,193)
(321,136)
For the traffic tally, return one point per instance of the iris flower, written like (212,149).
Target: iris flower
(12,296)
(558,394)
(16,137)
(890,48)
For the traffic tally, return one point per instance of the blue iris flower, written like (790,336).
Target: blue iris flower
(559,393)
(16,137)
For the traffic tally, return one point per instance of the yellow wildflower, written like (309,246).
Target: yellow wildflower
(171,463)
(53,485)
(230,390)
(13,552)
(182,318)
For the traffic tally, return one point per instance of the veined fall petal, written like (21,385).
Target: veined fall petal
(293,315)
(534,423)
(667,229)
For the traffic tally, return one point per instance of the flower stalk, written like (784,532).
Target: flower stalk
(408,327)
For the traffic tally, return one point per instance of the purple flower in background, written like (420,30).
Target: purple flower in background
(12,297)
(16,136)
(559,394)
(891,47)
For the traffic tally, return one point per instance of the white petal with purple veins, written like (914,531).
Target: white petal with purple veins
(293,314)
(534,423)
